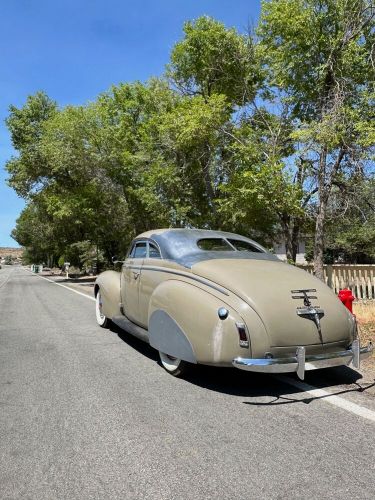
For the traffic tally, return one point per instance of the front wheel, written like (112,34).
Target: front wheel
(102,320)
(175,366)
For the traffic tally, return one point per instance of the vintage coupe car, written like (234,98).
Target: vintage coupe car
(217,298)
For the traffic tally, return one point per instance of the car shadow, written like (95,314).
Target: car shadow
(254,385)
(140,346)
(234,382)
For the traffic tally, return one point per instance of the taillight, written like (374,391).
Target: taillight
(242,334)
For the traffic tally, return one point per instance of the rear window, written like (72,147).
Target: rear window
(244,246)
(214,245)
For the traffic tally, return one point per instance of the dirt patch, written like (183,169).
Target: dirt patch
(365,313)
(15,253)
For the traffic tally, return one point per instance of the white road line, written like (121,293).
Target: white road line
(361,411)
(64,286)
(7,278)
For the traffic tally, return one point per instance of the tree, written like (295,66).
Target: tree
(351,222)
(29,169)
(35,231)
(250,186)
(264,136)
(264,194)
(215,70)
(189,139)
(212,59)
(318,55)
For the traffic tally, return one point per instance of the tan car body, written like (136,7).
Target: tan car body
(173,304)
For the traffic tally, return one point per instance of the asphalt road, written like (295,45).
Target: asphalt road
(87,413)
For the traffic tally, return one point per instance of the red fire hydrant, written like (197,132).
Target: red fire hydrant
(347,298)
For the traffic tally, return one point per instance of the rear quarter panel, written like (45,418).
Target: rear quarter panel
(195,311)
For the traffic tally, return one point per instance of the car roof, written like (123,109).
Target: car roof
(180,245)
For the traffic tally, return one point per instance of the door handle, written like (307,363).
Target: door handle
(136,274)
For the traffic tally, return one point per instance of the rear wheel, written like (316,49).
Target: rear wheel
(102,320)
(175,366)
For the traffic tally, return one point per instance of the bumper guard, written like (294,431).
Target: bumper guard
(300,362)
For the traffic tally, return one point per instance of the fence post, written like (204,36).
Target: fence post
(329,272)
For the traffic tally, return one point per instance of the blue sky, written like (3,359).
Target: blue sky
(73,50)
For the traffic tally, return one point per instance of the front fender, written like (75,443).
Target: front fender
(184,322)
(109,283)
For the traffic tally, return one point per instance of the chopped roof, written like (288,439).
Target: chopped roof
(180,245)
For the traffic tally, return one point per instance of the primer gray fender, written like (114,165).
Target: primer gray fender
(184,322)
(109,283)
(166,336)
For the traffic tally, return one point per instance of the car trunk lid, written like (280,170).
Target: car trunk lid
(277,292)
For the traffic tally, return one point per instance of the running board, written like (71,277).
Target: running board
(127,325)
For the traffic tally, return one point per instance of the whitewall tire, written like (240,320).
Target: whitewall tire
(175,366)
(102,320)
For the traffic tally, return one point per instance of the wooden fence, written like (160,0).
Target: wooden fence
(359,278)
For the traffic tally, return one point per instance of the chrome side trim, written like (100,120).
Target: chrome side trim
(300,362)
(180,273)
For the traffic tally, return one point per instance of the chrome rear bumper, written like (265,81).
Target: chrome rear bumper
(300,362)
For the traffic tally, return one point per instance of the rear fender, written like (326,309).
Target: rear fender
(184,323)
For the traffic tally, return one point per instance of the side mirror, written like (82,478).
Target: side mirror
(116,260)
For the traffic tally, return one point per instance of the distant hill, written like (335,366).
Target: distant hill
(16,253)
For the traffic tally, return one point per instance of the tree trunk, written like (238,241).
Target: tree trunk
(323,191)
(295,238)
(319,242)
(288,246)
(288,238)
(209,187)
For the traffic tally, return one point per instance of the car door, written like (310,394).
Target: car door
(130,280)
(150,278)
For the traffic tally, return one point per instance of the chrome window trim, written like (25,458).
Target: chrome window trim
(231,245)
(148,240)
(152,242)
(136,242)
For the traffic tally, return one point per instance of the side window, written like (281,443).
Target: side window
(153,251)
(139,251)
